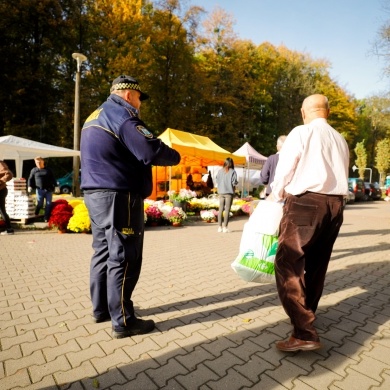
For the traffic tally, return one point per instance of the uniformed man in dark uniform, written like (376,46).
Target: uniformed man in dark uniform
(117,154)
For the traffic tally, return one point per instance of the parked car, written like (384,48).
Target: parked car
(356,185)
(65,183)
(351,196)
(387,186)
(373,191)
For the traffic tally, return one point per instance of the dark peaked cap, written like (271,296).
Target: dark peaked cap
(128,82)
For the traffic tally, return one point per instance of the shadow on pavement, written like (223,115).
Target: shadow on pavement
(245,355)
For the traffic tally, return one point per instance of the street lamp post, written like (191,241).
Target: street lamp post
(76,132)
(354,168)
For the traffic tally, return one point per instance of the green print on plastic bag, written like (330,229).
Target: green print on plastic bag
(273,249)
(265,264)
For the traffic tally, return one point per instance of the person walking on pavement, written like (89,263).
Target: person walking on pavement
(226,182)
(5,175)
(42,179)
(267,173)
(312,179)
(117,154)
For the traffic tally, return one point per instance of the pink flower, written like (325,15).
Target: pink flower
(153,213)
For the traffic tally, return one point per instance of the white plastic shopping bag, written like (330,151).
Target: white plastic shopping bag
(259,242)
(266,217)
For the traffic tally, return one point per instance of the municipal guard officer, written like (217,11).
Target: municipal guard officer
(117,154)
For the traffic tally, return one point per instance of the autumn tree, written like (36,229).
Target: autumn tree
(171,75)
(205,81)
(382,158)
(361,158)
(373,123)
(34,36)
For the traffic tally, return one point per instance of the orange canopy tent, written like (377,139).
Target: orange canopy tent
(197,152)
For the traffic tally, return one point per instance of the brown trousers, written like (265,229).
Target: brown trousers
(308,230)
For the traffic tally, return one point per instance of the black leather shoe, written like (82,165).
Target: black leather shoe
(98,320)
(293,344)
(137,326)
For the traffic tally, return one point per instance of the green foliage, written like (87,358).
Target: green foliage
(383,157)
(361,158)
(213,84)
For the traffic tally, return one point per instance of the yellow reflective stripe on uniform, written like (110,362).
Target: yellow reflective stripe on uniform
(122,294)
(94,115)
(101,127)
(128,207)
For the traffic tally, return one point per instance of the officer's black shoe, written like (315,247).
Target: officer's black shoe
(137,327)
(98,320)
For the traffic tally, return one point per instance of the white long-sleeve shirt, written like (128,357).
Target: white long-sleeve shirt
(315,158)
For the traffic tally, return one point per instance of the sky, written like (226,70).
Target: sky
(340,31)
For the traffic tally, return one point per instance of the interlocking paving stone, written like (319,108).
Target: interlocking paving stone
(355,380)
(85,370)
(319,377)
(39,371)
(12,366)
(213,331)
(198,376)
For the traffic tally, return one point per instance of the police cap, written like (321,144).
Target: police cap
(128,82)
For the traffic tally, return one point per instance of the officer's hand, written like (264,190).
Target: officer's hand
(29,189)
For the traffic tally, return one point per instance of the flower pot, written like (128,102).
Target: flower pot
(183,205)
(176,224)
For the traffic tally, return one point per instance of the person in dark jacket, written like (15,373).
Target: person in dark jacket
(42,179)
(209,182)
(117,153)
(268,171)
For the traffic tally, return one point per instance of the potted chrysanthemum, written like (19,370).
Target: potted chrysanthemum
(209,215)
(80,222)
(153,214)
(176,216)
(60,215)
(180,199)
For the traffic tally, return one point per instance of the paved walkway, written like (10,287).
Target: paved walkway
(214,331)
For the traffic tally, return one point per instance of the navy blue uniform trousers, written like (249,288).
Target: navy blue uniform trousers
(308,230)
(117,222)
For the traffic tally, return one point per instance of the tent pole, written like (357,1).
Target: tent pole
(170,178)
(249,178)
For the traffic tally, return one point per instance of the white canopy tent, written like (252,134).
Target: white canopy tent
(254,160)
(20,149)
(249,176)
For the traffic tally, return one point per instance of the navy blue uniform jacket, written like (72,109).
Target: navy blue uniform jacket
(117,151)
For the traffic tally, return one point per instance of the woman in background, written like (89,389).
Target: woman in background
(226,183)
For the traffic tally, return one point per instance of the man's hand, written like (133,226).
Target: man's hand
(29,189)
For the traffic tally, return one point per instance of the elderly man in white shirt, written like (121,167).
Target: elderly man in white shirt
(312,179)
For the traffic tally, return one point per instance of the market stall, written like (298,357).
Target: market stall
(249,176)
(197,153)
(20,149)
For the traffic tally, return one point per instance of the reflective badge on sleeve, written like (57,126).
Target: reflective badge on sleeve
(144,131)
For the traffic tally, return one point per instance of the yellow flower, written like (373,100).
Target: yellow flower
(80,221)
